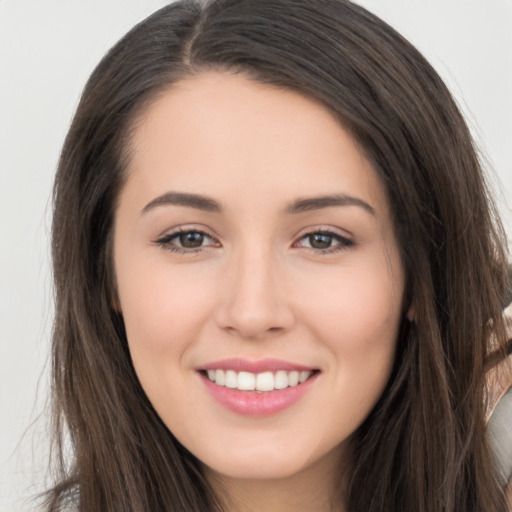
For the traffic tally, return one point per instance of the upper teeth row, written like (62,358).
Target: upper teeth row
(266,381)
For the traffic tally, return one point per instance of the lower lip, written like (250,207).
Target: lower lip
(252,403)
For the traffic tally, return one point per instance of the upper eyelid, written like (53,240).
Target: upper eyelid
(186,229)
(304,232)
(334,234)
(341,238)
(342,233)
(167,242)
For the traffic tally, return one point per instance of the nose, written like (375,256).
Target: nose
(253,301)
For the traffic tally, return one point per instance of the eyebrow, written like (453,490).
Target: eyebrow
(196,201)
(317,203)
(204,203)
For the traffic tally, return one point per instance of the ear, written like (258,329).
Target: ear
(110,277)
(114,302)
(113,296)
(411,314)
(111,293)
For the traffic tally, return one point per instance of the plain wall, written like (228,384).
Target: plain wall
(47,51)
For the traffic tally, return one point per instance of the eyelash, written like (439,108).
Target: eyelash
(343,243)
(166,242)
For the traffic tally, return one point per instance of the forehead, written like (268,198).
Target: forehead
(219,131)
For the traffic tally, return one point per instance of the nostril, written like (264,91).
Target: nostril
(253,331)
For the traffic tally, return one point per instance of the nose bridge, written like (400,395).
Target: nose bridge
(254,277)
(254,304)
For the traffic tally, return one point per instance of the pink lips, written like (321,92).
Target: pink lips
(253,403)
(264,365)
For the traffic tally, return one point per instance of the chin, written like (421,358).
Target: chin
(269,461)
(276,468)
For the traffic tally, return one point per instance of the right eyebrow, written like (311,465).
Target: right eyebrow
(197,201)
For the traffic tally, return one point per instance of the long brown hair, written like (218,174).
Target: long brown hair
(423,447)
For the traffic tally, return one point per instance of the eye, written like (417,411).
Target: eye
(191,240)
(186,241)
(324,242)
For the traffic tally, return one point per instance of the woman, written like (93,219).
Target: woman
(279,277)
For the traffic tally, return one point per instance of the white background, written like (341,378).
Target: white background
(47,51)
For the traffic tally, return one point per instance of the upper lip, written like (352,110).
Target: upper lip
(260,366)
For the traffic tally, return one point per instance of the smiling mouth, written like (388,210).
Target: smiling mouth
(258,382)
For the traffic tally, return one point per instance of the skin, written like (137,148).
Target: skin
(256,287)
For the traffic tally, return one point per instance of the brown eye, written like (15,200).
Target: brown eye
(324,242)
(187,241)
(191,240)
(320,240)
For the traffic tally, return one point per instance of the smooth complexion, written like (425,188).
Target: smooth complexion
(252,229)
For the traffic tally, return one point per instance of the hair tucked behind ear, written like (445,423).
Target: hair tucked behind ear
(423,447)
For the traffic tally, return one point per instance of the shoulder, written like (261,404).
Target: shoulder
(499,414)
(499,432)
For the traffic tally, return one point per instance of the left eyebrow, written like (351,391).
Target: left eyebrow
(317,203)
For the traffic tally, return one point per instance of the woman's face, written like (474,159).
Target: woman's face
(254,246)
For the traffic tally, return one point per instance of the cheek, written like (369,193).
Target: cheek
(356,307)
(357,315)
(163,311)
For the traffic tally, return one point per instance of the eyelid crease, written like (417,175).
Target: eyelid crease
(164,241)
(185,228)
(343,242)
(324,229)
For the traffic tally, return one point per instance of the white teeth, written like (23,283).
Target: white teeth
(246,381)
(293,378)
(304,376)
(266,381)
(220,377)
(281,380)
(231,379)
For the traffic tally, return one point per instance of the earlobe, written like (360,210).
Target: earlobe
(112,295)
(411,314)
(115,304)
(111,288)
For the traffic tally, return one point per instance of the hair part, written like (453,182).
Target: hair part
(423,447)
